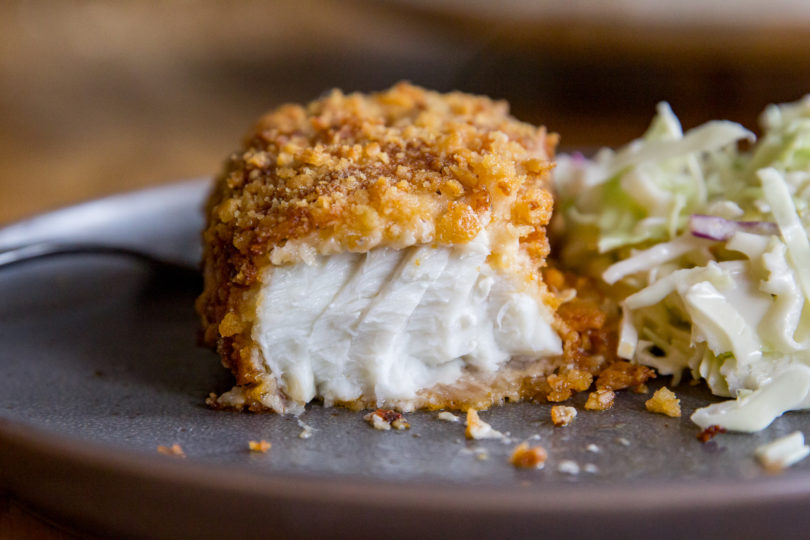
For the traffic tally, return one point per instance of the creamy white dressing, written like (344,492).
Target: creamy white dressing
(389,323)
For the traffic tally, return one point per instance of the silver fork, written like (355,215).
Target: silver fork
(160,226)
(40,250)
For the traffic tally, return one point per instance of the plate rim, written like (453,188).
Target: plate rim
(645,494)
(691,498)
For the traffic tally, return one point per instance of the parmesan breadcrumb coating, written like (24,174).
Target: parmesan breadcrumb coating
(405,168)
(350,173)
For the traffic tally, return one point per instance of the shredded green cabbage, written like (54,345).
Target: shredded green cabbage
(730,310)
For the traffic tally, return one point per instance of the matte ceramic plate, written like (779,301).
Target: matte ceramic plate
(100,367)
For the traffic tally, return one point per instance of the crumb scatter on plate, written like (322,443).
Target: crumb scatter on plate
(600,400)
(525,456)
(385,419)
(562,415)
(664,401)
(478,429)
(259,447)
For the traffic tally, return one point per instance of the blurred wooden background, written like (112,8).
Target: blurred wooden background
(99,97)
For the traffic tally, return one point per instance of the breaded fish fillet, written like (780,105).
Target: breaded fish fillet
(382,250)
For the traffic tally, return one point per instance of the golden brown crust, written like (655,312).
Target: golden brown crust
(351,172)
(622,374)
(402,167)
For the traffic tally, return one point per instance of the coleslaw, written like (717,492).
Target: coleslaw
(704,234)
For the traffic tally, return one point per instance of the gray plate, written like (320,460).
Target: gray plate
(100,367)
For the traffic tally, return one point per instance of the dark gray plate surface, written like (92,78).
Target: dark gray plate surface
(100,367)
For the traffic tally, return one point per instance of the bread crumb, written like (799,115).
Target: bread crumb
(385,419)
(593,448)
(478,429)
(447,416)
(665,402)
(174,450)
(590,468)
(261,446)
(600,400)
(622,441)
(528,457)
(562,415)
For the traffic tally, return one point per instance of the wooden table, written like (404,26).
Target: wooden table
(97,98)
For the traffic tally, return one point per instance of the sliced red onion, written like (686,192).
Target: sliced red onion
(721,229)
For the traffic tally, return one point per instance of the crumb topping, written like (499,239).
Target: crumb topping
(400,167)
(589,319)
(664,401)
(397,168)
